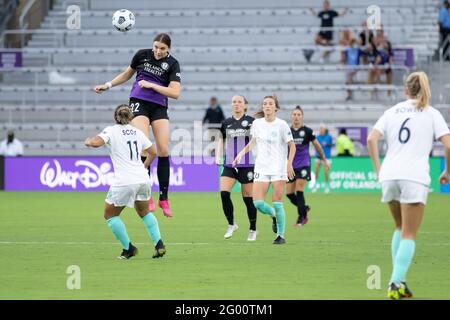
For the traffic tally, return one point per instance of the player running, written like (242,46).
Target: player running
(131,185)
(409,129)
(158,78)
(235,135)
(272,136)
(295,188)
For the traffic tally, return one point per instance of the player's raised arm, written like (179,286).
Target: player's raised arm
(94,142)
(372,146)
(290,168)
(244,151)
(121,78)
(172,91)
(445,176)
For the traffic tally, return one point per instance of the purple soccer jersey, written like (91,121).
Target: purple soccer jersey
(236,134)
(303,136)
(161,72)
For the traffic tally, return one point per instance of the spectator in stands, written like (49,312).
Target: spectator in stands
(365,36)
(327,15)
(345,39)
(344,145)
(384,59)
(214,117)
(11,146)
(444,28)
(371,55)
(351,59)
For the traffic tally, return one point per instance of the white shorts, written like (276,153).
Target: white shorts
(121,196)
(404,191)
(269,178)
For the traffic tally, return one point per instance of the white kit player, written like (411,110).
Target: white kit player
(409,129)
(131,184)
(271,136)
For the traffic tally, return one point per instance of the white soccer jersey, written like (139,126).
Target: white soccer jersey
(125,144)
(271,146)
(409,134)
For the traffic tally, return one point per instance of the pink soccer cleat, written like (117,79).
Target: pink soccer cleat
(164,205)
(151,205)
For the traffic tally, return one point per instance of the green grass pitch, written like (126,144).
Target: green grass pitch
(41,234)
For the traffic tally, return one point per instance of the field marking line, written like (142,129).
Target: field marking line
(88,243)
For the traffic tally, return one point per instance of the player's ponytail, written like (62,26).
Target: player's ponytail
(418,87)
(299,108)
(260,113)
(123,114)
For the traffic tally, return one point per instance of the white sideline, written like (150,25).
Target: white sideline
(88,243)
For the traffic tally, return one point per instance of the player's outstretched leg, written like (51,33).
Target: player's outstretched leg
(262,206)
(153,230)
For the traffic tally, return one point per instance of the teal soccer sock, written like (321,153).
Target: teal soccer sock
(281,218)
(403,260)
(395,243)
(262,206)
(118,229)
(152,227)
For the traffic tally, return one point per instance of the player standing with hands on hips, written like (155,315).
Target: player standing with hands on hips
(409,129)
(131,184)
(272,137)
(158,78)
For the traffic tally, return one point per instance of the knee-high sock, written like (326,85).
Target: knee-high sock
(292,198)
(227,206)
(262,206)
(163,177)
(301,206)
(251,212)
(395,243)
(403,260)
(281,218)
(120,231)
(152,227)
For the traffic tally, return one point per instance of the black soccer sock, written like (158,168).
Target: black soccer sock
(251,212)
(292,198)
(163,177)
(301,207)
(227,206)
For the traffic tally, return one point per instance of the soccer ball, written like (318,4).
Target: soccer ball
(123,20)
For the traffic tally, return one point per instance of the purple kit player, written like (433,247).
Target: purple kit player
(303,136)
(158,78)
(235,135)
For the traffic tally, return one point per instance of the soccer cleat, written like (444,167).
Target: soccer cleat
(160,250)
(274,225)
(279,240)
(164,205)
(230,230)
(151,205)
(127,254)
(327,190)
(394,292)
(301,222)
(252,235)
(404,291)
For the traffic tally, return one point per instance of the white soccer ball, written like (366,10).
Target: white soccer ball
(123,20)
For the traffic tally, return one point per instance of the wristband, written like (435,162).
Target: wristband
(108,84)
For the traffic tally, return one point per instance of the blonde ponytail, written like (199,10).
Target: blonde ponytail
(418,88)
